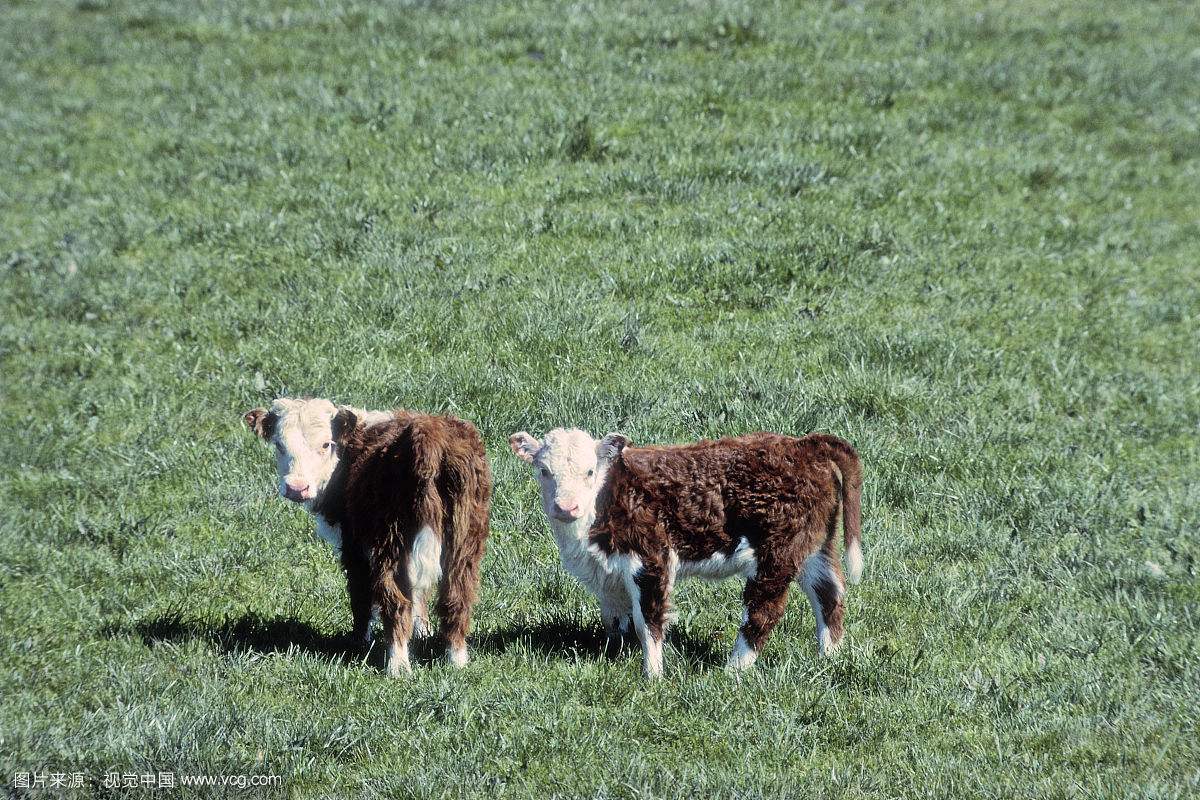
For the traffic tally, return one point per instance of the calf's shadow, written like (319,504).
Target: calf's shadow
(555,637)
(250,633)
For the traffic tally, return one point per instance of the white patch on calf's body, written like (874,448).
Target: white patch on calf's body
(627,565)
(719,566)
(425,560)
(583,561)
(586,564)
(614,609)
(424,572)
(369,418)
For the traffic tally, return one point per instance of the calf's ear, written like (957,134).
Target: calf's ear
(343,424)
(608,448)
(261,421)
(524,446)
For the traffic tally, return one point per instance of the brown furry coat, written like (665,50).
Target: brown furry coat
(697,504)
(413,473)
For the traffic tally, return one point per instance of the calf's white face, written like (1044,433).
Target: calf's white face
(304,435)
(570,467)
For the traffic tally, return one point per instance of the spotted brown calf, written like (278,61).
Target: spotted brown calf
(629,521)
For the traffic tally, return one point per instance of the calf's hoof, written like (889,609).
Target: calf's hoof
(398,667)
(397,660)
(827,645)
(743,656)
(457,655)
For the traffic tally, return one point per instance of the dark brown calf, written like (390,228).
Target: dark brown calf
(763,506)
(406,497)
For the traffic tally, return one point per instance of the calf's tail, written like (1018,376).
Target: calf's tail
(848,470)
(463,543)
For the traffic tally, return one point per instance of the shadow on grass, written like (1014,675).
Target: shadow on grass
(250,633)
(557,638)
(568,639)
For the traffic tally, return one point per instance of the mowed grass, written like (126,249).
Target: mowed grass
(963,235)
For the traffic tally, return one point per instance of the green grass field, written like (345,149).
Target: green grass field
(963,235)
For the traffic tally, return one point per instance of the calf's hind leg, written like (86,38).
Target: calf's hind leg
(764,600)
(461,558)
(392,594)
(822,582)
(421,626)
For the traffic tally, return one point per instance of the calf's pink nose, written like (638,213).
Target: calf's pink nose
(296,488)
(570,510)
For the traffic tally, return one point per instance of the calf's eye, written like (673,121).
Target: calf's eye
(545,472)
(591,472)
(327,445)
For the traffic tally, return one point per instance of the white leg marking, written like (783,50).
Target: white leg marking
(825,645)
(457,655)
(652,663)
(822,632)
(816,570)
(652,656)
(854,562)
(397,660)
(743,655)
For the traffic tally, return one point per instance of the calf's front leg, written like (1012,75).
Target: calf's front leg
(358,587)
(648,586)
(614,611)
